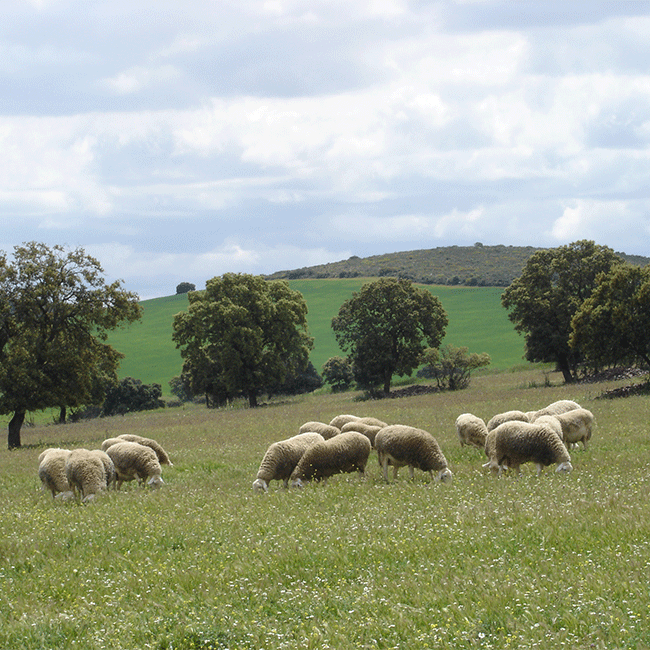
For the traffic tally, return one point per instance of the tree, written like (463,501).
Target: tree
(613,324)
(55,314)
(242,334)
(337,372)
(385,328)
(131,395)
(543,300)
(185,287)
(452,367)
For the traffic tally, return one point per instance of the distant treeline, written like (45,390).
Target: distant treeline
(474,266)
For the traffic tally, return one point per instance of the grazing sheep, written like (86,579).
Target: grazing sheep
(523,442)
(340,420)
(507,416)
(109,467)
(374,422)
(326,430)
(281,459)
(491,451)
(556,408)
(86,473)
(347,452)
(400,445)
(51,471)
(576,427)
(471,430)
(163,458)
(368,430)
(135,461)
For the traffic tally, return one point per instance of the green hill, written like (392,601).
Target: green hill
(476,320)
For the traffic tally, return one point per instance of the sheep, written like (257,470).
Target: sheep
(281,459)
(507,416)
(163,458)
(51,471)
(576,427)
(326,430)
(109,467)
(86,473)
(373,422)
(368,430)
(471,430)
(347,452)
(135,461)
(400,445)
(491,451)
(556,408)
(340,420)
(523,442)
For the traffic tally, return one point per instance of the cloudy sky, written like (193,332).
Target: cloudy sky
(176,141)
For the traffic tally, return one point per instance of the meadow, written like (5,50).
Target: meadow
(206,563)
(476,320)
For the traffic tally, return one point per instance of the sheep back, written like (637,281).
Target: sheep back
(517,443)
(400,445)
(135,461)
(163,458)
(109,442)
(345,453)
(109,467)
(86,473)
(556,408)
(51,470)
(375,422)
(506,416)
(281,459)
(576,426)
(326,430)
(368,430)
(471,430)
(339,420)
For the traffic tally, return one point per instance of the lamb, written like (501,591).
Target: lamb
(507,416)
(163,458)
(556,408)
(347,452)
(281,459)
(523,442)
(471,430)
(326,430)
(576,427)
(86,473)
(135,461)
(51,471)
(400,445)
(340,420)
(368,430)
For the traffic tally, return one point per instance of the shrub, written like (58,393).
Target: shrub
(451,367)
(337,372)
(132,395)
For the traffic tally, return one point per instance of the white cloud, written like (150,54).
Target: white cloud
(590,219)
(137,78)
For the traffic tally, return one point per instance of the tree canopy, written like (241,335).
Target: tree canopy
(242,334)
(613,325)
(550,290)
(385,328)
(55,314)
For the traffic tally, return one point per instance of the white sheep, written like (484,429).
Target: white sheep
(163,458)
(506,416)
(373,422)
(471,430)
(326,430)
(109,467)
(368,430)
(135,461)
(339,420)
(556,408)
(51,471)
(576,427)
(281,459)
(86,473)
(400,445)
(491,451)
(347,452)
(517,443)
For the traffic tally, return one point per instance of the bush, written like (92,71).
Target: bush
(451,367)
(337,372)
(305,381)
(132,395)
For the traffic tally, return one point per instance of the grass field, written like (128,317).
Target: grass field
(476,320)
(557,561)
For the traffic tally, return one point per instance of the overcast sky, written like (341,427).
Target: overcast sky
(176,141)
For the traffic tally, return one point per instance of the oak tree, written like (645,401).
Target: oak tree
(55,314)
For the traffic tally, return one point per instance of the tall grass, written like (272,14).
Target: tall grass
(486,562)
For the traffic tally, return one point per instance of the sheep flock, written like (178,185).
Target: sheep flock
(320,450)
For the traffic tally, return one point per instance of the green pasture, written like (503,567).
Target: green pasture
(555,561)
(476,320)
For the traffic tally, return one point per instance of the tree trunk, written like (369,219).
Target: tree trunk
(15,425)
(252,399)
(62,415)
(387,383)
(563,365)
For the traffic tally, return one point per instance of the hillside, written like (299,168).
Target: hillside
(478,265)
